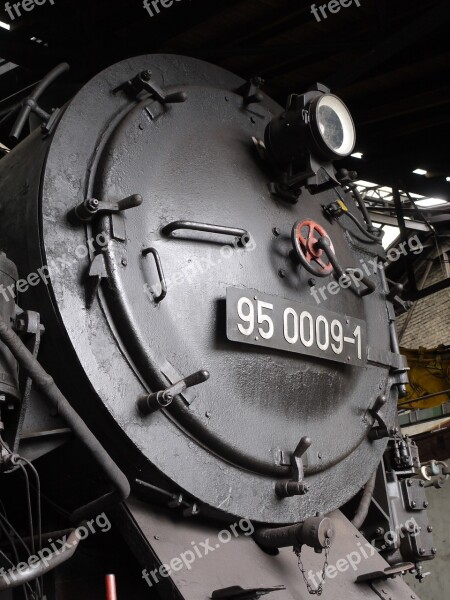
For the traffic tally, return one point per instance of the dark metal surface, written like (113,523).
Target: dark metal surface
(240,562)
(193,160)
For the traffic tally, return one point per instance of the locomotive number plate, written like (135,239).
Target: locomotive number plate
(274,322)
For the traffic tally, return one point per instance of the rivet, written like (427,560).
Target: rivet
(311,282)
(282,273)
(429,529)
(276,231)
(124,262)
(433,550)
(252,119)
(207,414)
(425,504)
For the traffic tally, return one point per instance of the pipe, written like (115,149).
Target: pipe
(363,508)
(30,102)
(44,382)
(372,229)
(316,532)
(16,577)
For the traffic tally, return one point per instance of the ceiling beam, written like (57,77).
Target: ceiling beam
(422,25)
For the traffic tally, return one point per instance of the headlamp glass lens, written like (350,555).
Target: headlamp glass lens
(335,125)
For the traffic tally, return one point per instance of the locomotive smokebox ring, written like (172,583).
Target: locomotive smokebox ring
(305,235)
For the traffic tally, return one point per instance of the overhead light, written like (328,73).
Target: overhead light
(420,172)
(366,184)
(390,235)
(357,155)
(5,25)
(447,179)
(431,202)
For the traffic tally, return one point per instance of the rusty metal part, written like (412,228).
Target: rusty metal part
(111,590)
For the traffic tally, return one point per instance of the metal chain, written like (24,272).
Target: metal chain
(311,590)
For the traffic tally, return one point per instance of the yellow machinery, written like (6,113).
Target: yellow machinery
(429,378)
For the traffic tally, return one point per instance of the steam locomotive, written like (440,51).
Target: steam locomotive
(169,361)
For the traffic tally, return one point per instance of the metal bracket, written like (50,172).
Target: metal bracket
(142,82)
(249,91)
(97,272)
(383,430)
(388,573)
(236,592)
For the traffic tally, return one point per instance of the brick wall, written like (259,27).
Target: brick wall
(429,325)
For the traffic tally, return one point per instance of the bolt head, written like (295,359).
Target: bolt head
(146,75)
(421,551)
(413,504)
(276,231)
(282,273)
(409,482)
(425,504)
(433,550)
(312,282)
(429,528)
(92,204)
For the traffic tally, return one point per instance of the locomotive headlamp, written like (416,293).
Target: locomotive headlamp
(332,126)
(315,129)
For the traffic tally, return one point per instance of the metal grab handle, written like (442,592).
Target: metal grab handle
(162,279)
(195,226)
